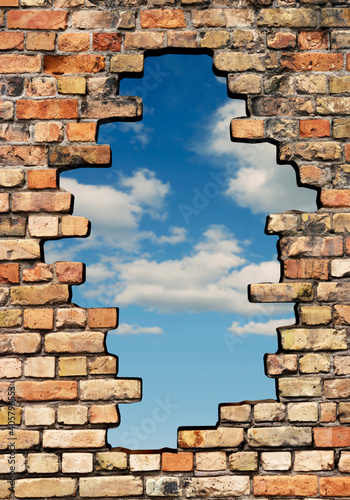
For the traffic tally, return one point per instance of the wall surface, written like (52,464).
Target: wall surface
(60,62)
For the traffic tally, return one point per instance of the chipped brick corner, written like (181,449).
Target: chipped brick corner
(60,62)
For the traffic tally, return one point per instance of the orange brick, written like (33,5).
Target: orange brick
(59,65)
(312,62)
(47,109)
(41,41)
(10,63)
(41,202)
(247,129)
(306,268)
(23,155)
(40,272)
(313,40)
(281,40)
(348,62)
(162,18)
(335,198)
(177,462)
(81,132)
(70,272)
(10,41)
(334,486)
(299,485)
(107,41)
(9,3)
(332,437)
(103,318)
(38,319)
(9,273)
(46,391)
(314,128)
(48,132)
(37,19)
(42,179)
(39,86)
(310,174)
(74,42)
(347,152)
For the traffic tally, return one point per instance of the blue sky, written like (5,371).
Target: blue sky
(177,235)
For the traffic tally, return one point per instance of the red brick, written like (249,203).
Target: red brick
(103,318)
(74,42)
(313,40)
(162,18)
(335,198)
(299,485)
(11,63)
(70,272)
(347,152)
(47,109)
(37,19)
(9,273)
(9,3)
(306,268)
(314,128)
(10,41)
(334,486)
(40,272)
(41,202)
(348,62)
(281,40)
(177,462)
(81,132)
(46,391)
(23,155)
(247,129)
(312,62)
(42,179)
(38,319)
(332,437)
(107,41)
(59,65)
(41,41)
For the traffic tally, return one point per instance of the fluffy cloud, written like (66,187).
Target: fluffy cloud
(126,329)
(257,182)
(254,328)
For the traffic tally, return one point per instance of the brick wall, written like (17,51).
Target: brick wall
(60,62)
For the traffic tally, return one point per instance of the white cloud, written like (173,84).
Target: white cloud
(142,134)
(116,214)
(254,328)
(257,182)
(207,279)
(126,329)
(177,235)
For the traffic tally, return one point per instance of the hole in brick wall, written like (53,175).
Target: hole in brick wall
(177,234)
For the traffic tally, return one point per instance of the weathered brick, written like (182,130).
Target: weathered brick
(247,129)
(332,105)
(177,462)
(48,132)
(314,363)
(38,319)
(344,461)
(72,415)
(222,437)
(231,486)
(102,365)
(103,318)
(276,460)
(59,65)
(334,389)
(276,364)
(238,61)
(71,85)
(214,39)
(278,106)
(72,366)
(162,18)
(120,389)
(40,86)
(71,317)
(19,64)
(300,387)
(298,485)
(39,295)
(281,292)
(39,415)
(85,438)
(328,412)
(74,226)
(73,342)
(183,39)
(243,461)
(43,367)
(24,439)
(102,414)
(14,226)
(313,40)
(344,413)
(287,18)
(318,339)
(39,272)
(142,40)
(81,132)
(312,62)
(74,42)
(211,461)
(278,223)
(110,486)
(306,268)
(332,437)
(47,109)
(119,107)
(23,155)
(269,412)
(11,41)
(311,151)
(107,41)
(10,318)
(41,202)
(79,155)
(13,132)
(19,250)
(77,462)
(244,84)
(127,63)
(281,40)
(40,41)
(335,18)
(311,246)
(42,463)
(90,19)
(311,84)
(10,368)
(314,128)
(315,315)
(70,272)
(235,413)
(43,226)
(46,487)
(37,19)
(342,365)
(303,412)
(9,273)
(5,465)
(145,462)
(111,460)
(46,391)
(333,292)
